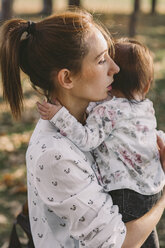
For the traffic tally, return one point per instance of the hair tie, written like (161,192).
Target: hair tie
(31,28)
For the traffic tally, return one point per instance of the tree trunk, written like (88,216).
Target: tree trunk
(74,3)
(6,9)
(133,18)
(136,6)
(47,8)
(153,7)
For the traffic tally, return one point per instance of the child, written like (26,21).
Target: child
(121,132)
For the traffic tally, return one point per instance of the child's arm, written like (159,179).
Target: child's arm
(98,126)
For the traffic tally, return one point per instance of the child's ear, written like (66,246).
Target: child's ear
(64,78)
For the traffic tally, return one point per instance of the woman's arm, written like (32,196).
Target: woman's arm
(161,147)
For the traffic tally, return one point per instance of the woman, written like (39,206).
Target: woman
(67,57)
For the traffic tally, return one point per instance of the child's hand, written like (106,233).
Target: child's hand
(48,110)
(161,147)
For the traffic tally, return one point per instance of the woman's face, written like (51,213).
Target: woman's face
(96,76)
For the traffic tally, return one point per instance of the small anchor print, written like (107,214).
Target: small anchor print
(82,243)
(38,179)
(35,192)
(50,199)
(41,166)
(55,183)
(35,219)
(72,195)
(43,146)
(49,210)
(96,230)
(81,236)
(76,162)
(31,157)
(82,219)
(85,171)
(67,171)
(34,203)
(62,224)
(40,235)
(123,231)
(90,202)
(44,220)
(73,208)
(57,157)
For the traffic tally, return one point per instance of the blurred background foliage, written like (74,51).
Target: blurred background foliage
(118,16)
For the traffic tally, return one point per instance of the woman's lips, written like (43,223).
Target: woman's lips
(109,87)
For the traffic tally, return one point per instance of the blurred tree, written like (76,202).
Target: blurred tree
(133,18)
(6,12)
(136,6)
(153,6)
(74,3)
(47,7)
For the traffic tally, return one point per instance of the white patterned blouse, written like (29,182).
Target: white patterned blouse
(123,136)
(67,206)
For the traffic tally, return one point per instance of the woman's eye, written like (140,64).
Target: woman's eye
(102,61)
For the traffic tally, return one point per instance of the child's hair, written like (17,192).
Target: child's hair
(136,68)
(49,45)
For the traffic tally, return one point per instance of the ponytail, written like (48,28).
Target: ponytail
(11,34)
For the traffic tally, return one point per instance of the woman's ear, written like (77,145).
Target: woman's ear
(64,78)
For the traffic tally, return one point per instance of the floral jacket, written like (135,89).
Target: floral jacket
(123,138)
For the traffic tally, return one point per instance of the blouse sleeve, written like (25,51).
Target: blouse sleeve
(74,194)
(161,134)
(99,125)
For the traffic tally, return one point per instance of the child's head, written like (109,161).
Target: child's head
(136,68)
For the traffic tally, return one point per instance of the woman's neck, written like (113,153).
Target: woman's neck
(75,107)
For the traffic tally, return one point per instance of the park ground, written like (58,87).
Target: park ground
(14,136)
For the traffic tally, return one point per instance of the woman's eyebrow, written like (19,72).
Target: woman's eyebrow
(101,54)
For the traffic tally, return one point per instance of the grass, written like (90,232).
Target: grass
(14,136)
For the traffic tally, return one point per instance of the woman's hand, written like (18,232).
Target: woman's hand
(161,147)
(48,110)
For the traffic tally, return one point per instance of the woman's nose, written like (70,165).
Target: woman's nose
(113,68)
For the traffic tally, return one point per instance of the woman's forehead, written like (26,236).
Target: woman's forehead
(95,41)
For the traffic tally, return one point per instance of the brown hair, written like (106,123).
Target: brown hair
(51,44)
(136,67)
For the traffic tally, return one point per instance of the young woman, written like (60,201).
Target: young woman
(122,133)
(67,57)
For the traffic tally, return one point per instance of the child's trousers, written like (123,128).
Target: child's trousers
(133,205)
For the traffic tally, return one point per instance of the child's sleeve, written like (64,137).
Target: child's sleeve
(98,126)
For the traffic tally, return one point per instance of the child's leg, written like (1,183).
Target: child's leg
(133,205)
